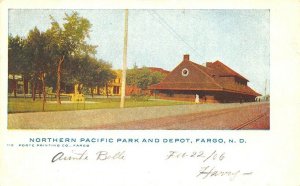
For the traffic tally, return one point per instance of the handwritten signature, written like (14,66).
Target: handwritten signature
(211,171)
(78,156)
(206,158)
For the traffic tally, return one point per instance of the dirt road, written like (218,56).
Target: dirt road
(255,116)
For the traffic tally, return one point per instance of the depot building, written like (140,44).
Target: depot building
(213,83)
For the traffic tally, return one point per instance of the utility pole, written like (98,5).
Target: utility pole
(266,87)
(124,61)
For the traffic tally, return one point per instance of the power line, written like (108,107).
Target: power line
(173,31)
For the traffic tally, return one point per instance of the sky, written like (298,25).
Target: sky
(159,38)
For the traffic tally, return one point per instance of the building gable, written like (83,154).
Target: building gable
(188,76)
(186,72)
(224,70)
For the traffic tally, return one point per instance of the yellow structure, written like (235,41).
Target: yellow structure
(76,96)
(114,87)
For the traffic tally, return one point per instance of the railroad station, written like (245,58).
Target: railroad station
(213,83)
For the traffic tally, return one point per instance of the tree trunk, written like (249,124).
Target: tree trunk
(59,68)
(92,92)
(43,89)
(14,86)
(106,90)
(98,90)
(24,86)
(39,89)
(33,91)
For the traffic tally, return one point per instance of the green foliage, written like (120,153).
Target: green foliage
(131,77)
(70,38)
(40,53)
(143,77)
(139,97)
(17,58)
(37,53)
(68,41)
(105,73)
(49,90)
(157,77)
(88,71)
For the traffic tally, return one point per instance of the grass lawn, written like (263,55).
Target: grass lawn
(17,105)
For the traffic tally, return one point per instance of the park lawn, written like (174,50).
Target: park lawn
(20,105)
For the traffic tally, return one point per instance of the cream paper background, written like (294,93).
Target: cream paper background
(272,155)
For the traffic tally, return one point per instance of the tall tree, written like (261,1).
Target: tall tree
(143,77)
(90,72)
(131,76)
(87,71)
(157,77)
(17,62)
(68,40)
(37,50)
(105,74)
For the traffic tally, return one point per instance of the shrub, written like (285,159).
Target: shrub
(140,97)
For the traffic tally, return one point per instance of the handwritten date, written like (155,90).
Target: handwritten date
(204,156)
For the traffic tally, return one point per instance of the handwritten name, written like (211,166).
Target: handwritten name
(84,156)
(209,164)
(209,171)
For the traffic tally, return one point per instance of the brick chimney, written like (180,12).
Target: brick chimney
(186,57)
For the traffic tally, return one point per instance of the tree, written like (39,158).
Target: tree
(131,76)
(91,73)
(88,71)
(17,62)
(105,74)
(83,71)
(37,51)
(96,72)
(68,40)
(157,77)
(143,77)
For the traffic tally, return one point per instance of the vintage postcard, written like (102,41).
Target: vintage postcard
(149,94)
(65,69)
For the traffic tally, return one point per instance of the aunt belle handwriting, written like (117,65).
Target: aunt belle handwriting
(83,155)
